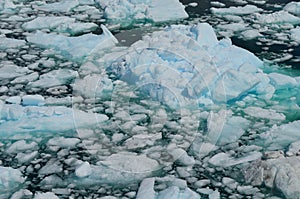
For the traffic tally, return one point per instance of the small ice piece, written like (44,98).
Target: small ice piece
(241,10)
(13,100)
(181,156)
(62,6)
(217,4)
(74,48)
(234,27)
(83,170)
(10,180)
(279,17)
(76,28)
(262,113)
(293,7)
(47,22)
(7,43)
(33,100)
(48,195)
(193,4)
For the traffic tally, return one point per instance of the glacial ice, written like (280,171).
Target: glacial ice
(295,34)
(135,10)
(74,48)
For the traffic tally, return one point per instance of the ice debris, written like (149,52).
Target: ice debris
(10,180)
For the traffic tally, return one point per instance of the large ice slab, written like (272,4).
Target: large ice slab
(74,48)
(128,11)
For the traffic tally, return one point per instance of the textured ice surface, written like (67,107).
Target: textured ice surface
(296,34)
(74,48)
(62,6)
(129,11)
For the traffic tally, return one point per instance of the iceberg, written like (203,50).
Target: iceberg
(127,12)
(74,48)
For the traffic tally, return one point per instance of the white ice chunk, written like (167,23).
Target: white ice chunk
(262,113)
(63,142)
(281,81)
(47,22)
(74,48)
(54,78)
(251,34)
(279,137)
(167,10)
(226,160)
(295,34)
(83,170)
(293,7)
(36,119)
(48,195)
(33,100)
(279,17)
(9,70)
(14,100)
(7,43)
(62,6)
(146,189)
(155,10)
(245,10)
(10,180)
(21,146)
